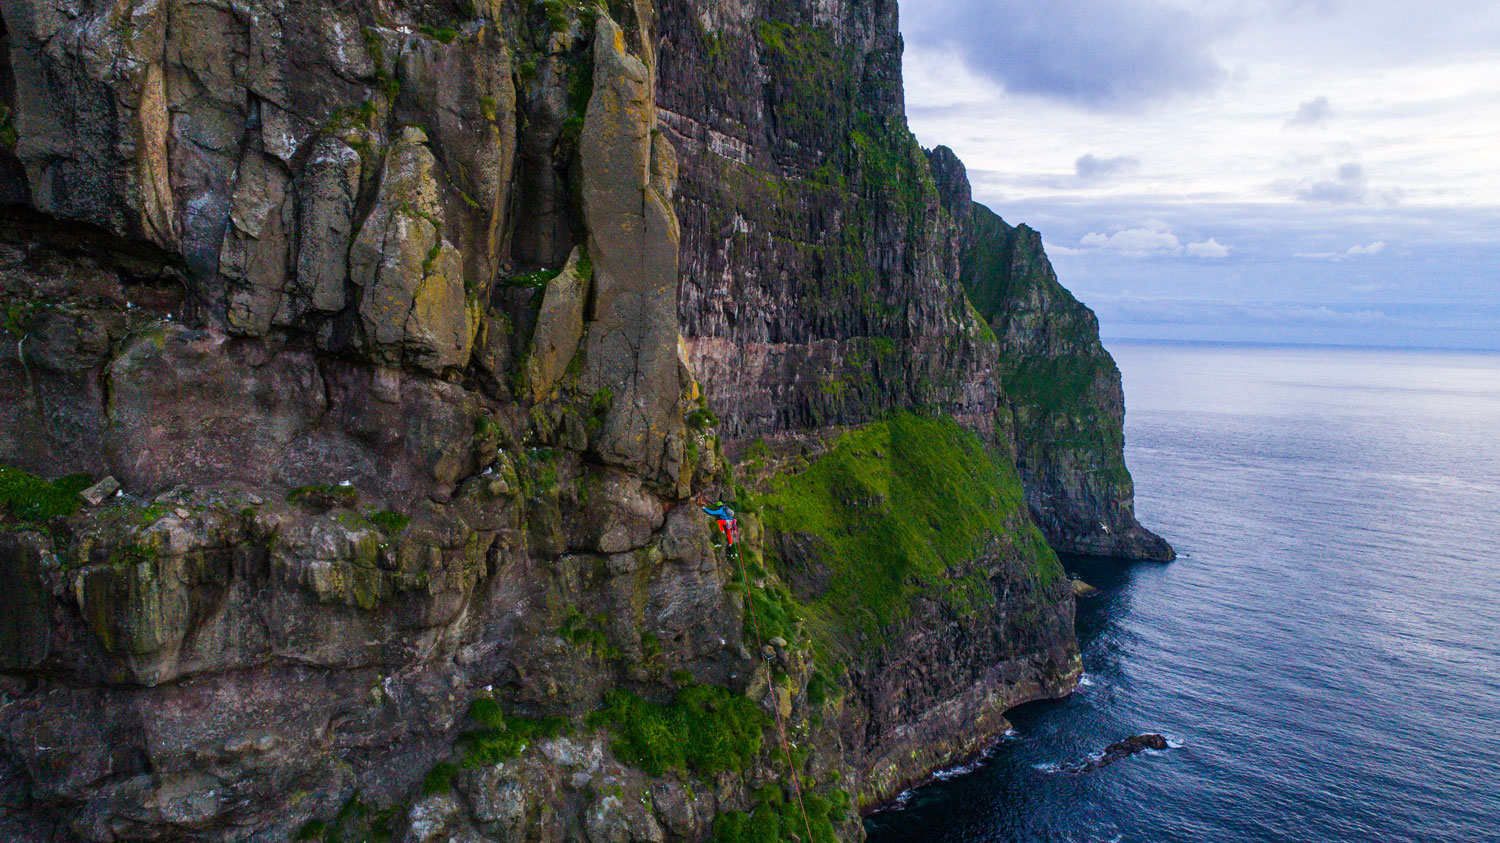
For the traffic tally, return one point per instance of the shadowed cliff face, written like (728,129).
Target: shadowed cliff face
(410,332)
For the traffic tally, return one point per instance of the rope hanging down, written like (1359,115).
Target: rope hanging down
(770,685)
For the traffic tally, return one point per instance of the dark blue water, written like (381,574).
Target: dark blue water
(1325,654)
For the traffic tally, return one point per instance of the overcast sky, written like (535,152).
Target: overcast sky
(1284,171)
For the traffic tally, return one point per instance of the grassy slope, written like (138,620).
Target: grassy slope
(898,509)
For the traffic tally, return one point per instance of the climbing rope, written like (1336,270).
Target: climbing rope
(771,685)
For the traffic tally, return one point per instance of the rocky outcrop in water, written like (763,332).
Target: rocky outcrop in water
(410,332)
(1120,750)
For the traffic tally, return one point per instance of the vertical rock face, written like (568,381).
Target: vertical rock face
(822,254)
(410,332)
(633,238)
(1064,390)
(818,268)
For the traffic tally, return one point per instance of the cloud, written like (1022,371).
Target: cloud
(1099,54)
(1209,248)
(1153,239)
(1352,252)
(1311,114)
(1137,242)
(1093,167)
(1348,186)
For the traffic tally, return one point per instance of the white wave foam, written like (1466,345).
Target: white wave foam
(954,772)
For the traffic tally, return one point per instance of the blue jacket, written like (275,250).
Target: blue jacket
(721,512)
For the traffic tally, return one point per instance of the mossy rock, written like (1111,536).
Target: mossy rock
(323,496)
(27,498)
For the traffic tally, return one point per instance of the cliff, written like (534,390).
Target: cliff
(410,333)
(1060,384)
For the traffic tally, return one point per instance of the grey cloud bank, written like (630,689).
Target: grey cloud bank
(1094,53)
(1311,113)
(1091,166)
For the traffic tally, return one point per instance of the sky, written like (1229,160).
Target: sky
(1300,171)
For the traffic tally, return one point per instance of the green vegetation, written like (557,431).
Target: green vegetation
(443,34)
(535,280)
(323,495)
(388,86)
(702,418)
(776,817)
(363,116)
(893,510)
(20,317)
(818,688)
(133,554)
(439,779)
(557,14)
(26,497)
(588,633)
(580,91)
(704,731)
(355,821)
(390,523)
(601,401)
(1055,384)
(870,166)
(775,609)
(500,737)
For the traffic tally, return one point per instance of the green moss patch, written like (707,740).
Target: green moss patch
(776,611)
(895,510)
(26,497)
(704,731)
(776,816)
(390,523)
(323,496)
(1054,385)
(356,820)
(500,736)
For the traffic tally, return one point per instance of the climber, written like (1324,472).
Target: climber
(725,515)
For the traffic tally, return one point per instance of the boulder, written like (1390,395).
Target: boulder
(101,491)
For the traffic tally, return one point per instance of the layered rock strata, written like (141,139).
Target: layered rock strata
(410,332)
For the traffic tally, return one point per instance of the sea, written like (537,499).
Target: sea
(1324,655)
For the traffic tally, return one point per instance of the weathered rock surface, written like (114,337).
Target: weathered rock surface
(559,328)
(275,267)
(633,237)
